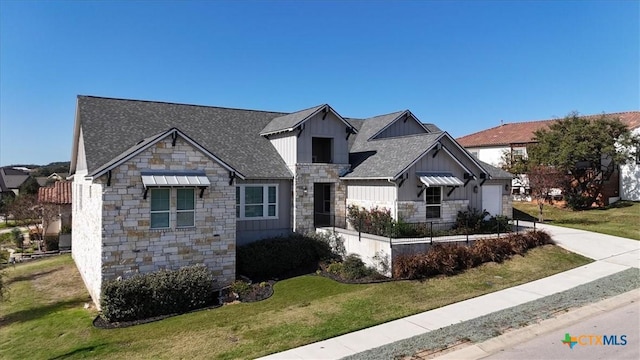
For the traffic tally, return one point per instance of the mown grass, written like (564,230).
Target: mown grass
(620,219)
(45,318)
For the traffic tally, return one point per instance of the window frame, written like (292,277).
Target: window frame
(433,205)
(266,205)
(152,212)
(185,211)
(325,145)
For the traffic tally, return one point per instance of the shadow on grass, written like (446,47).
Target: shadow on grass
(40,311)
(521,215)
(80,352)
(32,276)
(578,222)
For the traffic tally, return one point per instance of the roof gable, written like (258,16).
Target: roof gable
(292,121)
(404,116)
(523,132)
(111,128)
(144,144)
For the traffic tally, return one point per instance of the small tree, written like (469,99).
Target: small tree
(542,179)
(588,149)
(26,212)
(30,186)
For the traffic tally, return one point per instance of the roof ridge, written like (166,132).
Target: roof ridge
(407,136)
(185,104)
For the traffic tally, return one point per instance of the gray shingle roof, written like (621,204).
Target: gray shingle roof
(388,157)
(495,172)
(11,178)
(289,121)
(112,126)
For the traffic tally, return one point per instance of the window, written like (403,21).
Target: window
(638,153)
(518,154)
(433,198)
(185,208)
(160,208)
(256,201)
(321,150)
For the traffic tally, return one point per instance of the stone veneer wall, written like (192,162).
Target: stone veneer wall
(306,176)
(507,205)
(86,238)
(415,211)
(129,246)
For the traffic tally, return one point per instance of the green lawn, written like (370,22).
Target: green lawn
(45,318)
(620,219)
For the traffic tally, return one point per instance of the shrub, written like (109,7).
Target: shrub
(18,238)
(240,287)
(51,242)
(158,293)
(486,250)
(375,221)
(411,266)
(334,240)
(518,243)
(470,219)
(275,257)
(537,238)
(354,268)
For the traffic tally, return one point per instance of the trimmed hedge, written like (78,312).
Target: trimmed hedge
(158,293)
(449,259)
(272,258)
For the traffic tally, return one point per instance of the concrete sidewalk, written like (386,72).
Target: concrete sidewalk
(612,254)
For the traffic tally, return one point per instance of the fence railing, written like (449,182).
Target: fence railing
(423,231)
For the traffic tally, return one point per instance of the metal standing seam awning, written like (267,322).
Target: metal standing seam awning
(174,178)
(440,179)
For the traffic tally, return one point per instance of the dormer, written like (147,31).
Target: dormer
(315,135)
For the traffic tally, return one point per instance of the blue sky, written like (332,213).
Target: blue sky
(459,64)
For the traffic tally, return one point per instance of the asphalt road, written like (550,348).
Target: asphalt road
(618,322)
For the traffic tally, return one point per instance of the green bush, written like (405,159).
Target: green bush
(275,257)
(240,287)
(51,242)
(158,293)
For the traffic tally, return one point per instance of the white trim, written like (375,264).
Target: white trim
(151,211)
(296,125)
(265,202)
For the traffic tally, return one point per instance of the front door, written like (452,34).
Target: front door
(322,204)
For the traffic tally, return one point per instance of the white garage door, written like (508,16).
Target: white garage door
(492,199)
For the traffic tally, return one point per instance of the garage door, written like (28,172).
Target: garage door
(492,199)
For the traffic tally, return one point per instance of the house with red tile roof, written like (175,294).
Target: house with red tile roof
(490,145)
(59,194)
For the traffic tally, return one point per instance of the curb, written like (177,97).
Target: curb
(515,337)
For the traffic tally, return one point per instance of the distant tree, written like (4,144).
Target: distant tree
(587,149)
(30,186)
(542,179)
(513,163)
(5,202)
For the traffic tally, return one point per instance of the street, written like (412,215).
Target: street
(623,323)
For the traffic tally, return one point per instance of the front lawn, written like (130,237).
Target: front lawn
(620,219)
(45,318)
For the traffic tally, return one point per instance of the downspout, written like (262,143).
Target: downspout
(395,205)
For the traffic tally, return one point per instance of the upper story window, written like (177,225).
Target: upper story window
(322,150)
(256,202)
(433,198)
(185,209)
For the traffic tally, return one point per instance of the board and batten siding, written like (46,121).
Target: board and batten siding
(248,231)
(286,145)
(402,128)
(442,162)
(330,127)
(370,194)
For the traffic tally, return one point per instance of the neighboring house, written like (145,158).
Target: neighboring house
(11,179)
(48,180)
(58,194)
(161,185)
(513,138)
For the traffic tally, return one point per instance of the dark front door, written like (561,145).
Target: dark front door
(322,204)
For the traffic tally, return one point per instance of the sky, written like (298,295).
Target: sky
(464,66)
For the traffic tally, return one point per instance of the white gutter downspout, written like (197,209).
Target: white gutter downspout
(395,201)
